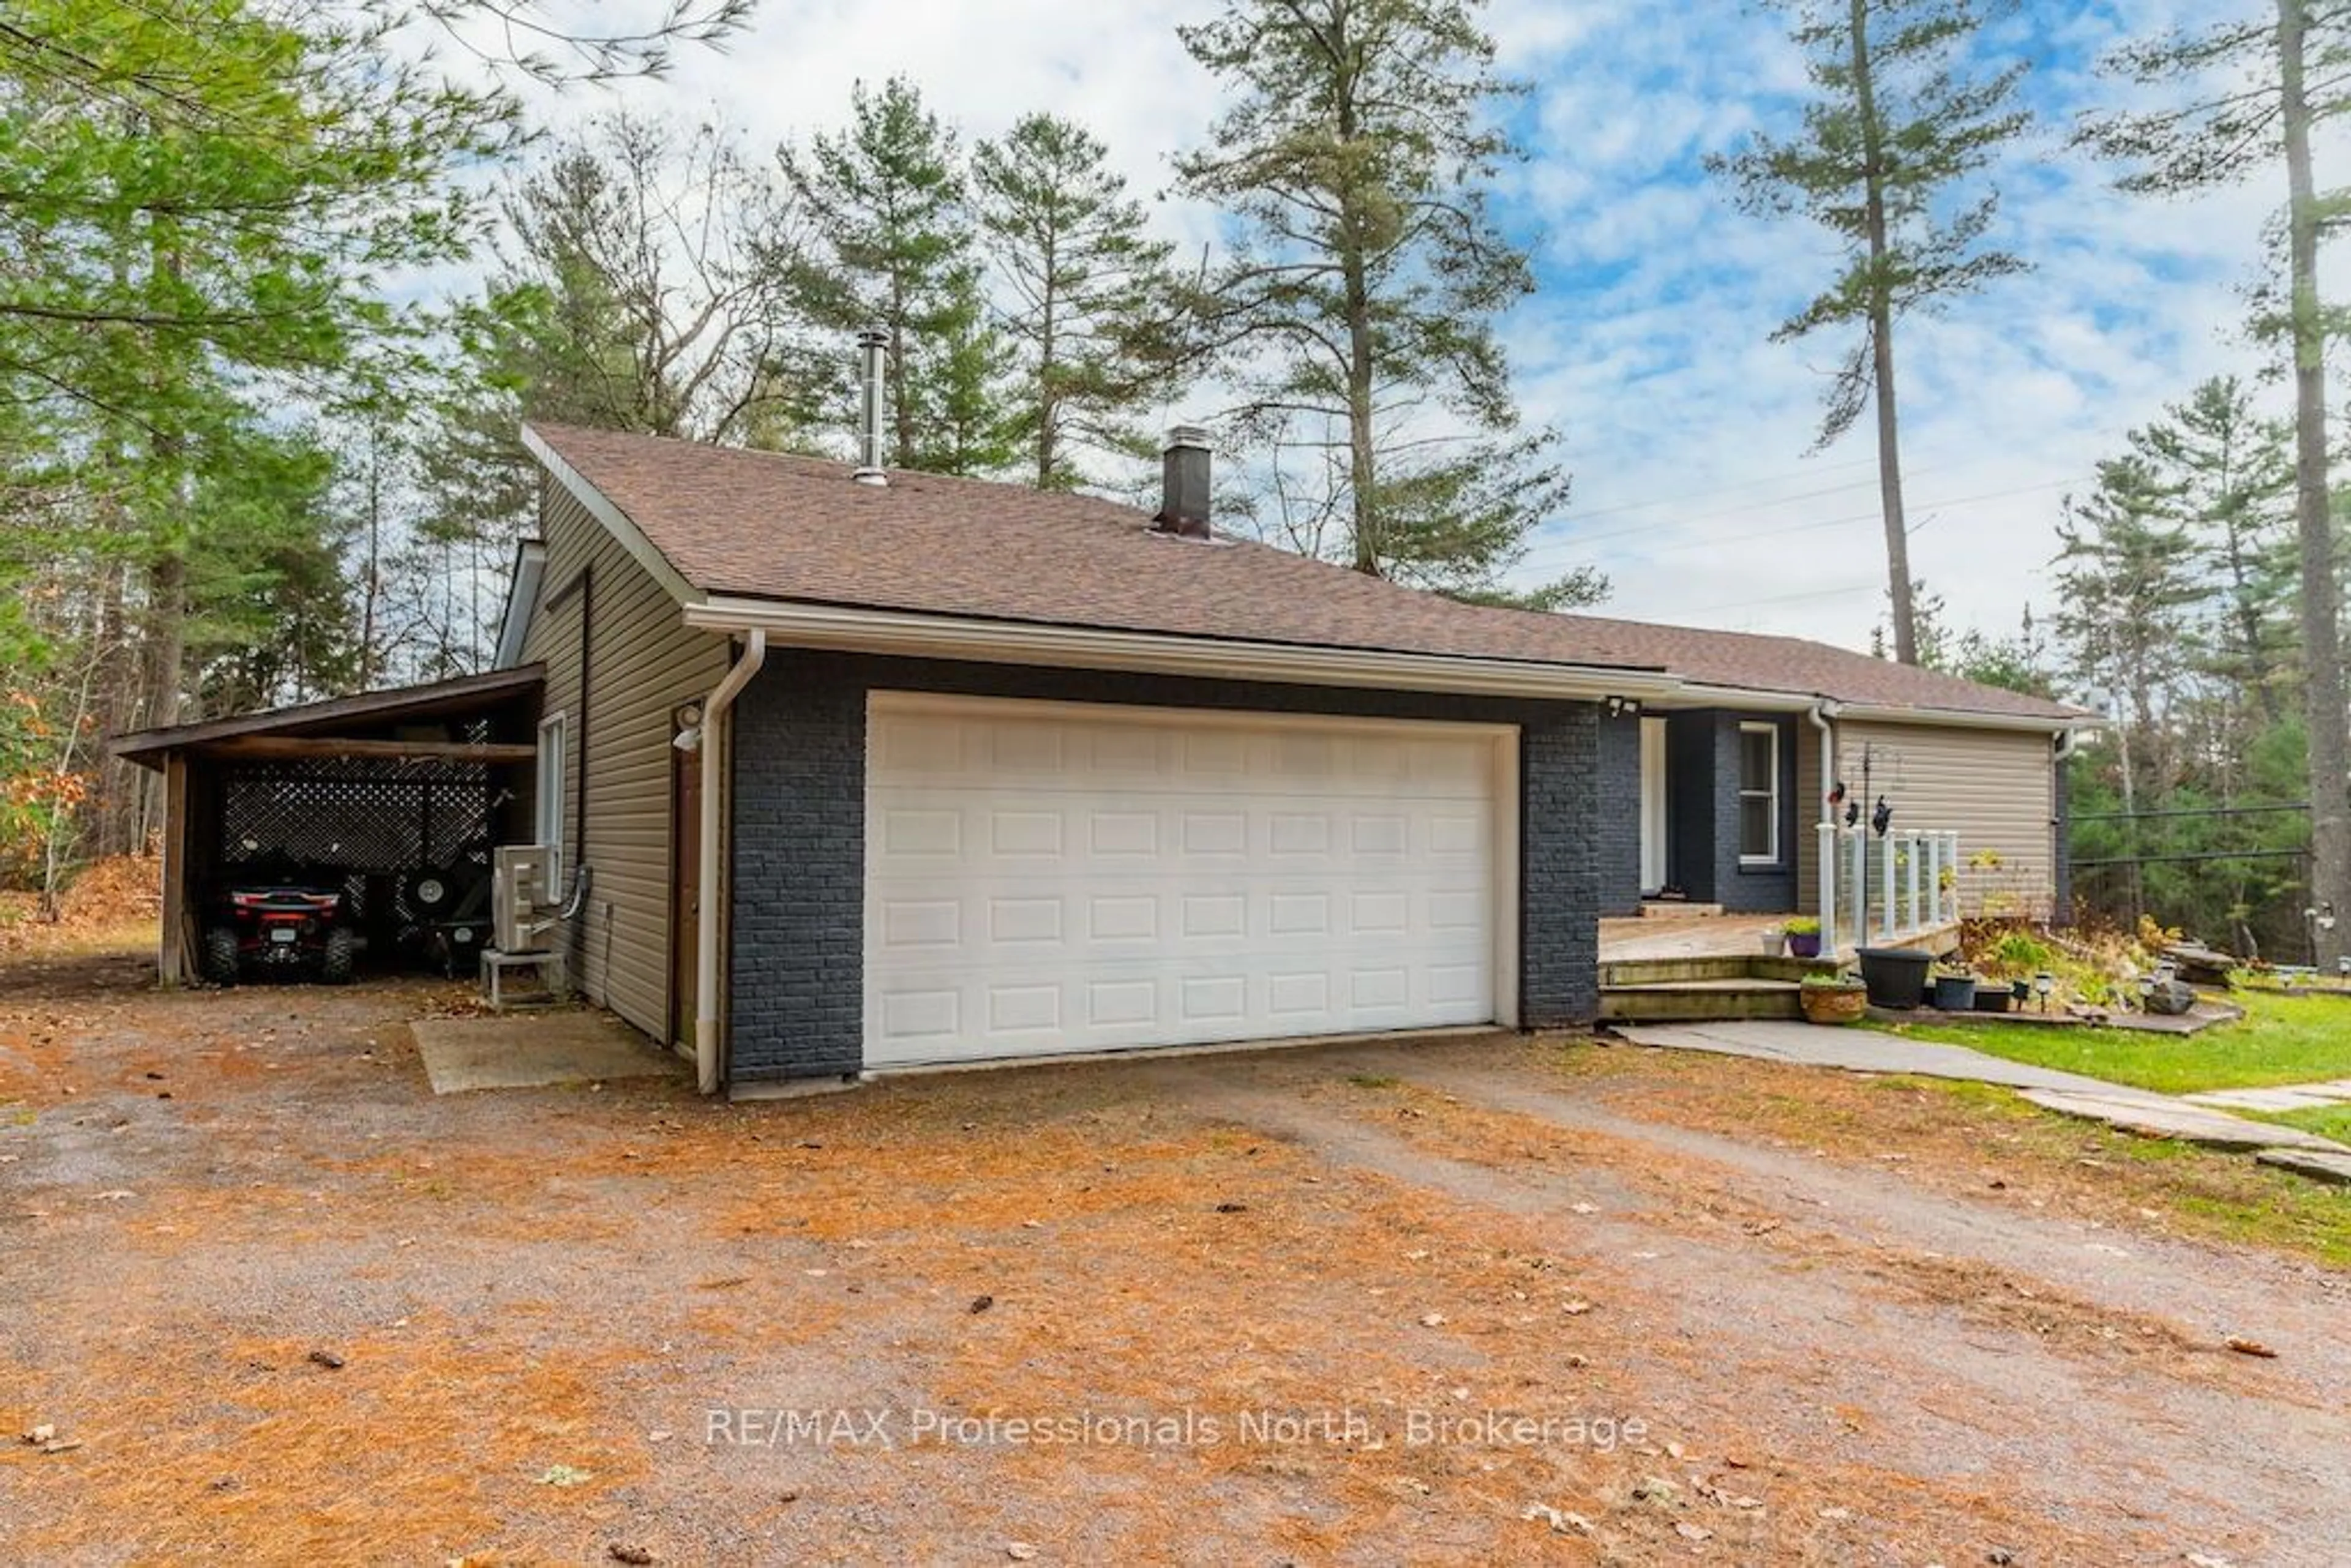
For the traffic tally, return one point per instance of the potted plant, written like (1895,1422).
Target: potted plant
(1775,942)
(1832,998)
(1804,934)
(1954,989)
(1896,976)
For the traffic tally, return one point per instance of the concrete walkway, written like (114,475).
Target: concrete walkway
(1870,1051)
(2283,1097)
(530,1050)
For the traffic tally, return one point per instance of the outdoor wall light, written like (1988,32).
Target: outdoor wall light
(1623,707)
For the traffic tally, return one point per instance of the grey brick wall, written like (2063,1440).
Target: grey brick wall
(795,939)
(1702,757)
(797,993)
(1742,889)
(1560,866)
(1618,811)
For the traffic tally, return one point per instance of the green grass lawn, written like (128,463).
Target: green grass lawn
(2283,1039)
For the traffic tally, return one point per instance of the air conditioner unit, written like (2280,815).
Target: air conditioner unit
(522,893)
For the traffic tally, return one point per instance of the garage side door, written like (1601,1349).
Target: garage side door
(1044,878)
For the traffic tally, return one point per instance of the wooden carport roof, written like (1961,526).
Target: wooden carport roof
(309,729)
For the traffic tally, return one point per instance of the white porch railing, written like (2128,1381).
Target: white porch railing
(1913,887)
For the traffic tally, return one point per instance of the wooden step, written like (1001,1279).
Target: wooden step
(1696,1001)
(1708,966)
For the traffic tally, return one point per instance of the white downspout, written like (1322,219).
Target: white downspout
(706,877)
(1823,716)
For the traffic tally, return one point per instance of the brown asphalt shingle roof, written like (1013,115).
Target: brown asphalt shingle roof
(766,526)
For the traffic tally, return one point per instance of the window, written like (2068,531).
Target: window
(553,745)
(1759,794)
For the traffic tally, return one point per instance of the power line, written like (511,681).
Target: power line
(1787,598)
(1577,543)
(1726,489)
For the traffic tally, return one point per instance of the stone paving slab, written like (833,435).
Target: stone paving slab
(2317,1164)
(2158,1116)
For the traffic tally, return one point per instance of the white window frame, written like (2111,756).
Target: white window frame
(1772,795)
(546,805)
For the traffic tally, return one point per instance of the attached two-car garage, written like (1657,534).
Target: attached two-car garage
(1045,878)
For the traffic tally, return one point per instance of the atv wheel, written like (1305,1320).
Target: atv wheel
(220,956)
(431,892)
(341,957)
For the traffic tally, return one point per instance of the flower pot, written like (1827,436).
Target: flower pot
(1804,944)
(1896,976)
(1833,1004)
(1993,999)
(1775,943)
(1955,993)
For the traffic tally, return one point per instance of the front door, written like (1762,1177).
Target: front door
(1653,805)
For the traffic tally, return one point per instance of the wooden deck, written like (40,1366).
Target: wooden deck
(1685,936)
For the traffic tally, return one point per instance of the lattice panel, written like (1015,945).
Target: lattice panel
(354,815)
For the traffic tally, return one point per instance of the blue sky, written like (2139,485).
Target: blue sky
(1647,343)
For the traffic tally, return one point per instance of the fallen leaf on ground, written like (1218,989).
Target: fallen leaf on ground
(2243,1346)
(1560,1520)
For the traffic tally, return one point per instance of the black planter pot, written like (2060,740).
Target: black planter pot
(1955,993)
(1896,976)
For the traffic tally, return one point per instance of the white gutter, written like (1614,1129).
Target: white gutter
(1879,713)
(2068,742)
(707,886)
(910,634)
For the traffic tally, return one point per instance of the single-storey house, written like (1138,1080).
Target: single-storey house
(884,769)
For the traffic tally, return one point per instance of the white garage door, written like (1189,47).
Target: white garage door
(1044,878)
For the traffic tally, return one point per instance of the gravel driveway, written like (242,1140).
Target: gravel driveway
(1443,1303)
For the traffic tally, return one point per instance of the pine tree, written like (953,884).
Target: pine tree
(645,284)
(886,206)
(2231,479)
(1089,293)
(1894,139)
(1358,308)
(2126,578)
(2247,93)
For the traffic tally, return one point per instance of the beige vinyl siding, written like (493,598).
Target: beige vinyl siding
(1992,787)
(1809,790)
(643,662)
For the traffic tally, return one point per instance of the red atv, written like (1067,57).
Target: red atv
(280,930)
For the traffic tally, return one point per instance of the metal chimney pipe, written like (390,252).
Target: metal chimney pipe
(870,344)
(1184,479)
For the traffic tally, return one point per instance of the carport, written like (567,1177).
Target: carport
(368,793)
